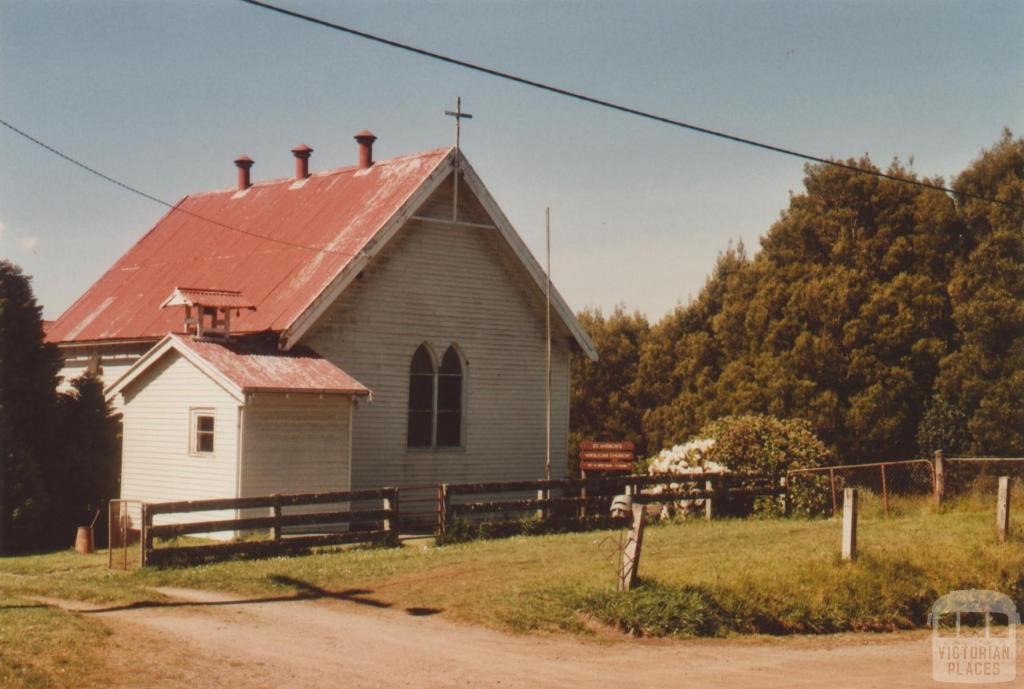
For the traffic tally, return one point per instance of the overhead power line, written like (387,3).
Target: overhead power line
(174,207)
(616,106)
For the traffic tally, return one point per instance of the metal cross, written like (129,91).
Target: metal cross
(458,115)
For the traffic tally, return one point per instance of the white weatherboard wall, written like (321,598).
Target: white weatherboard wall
(295,444)
(113,359)
(441,284)
(157,465)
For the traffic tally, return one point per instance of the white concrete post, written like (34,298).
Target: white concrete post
(1003,509)
(850,524)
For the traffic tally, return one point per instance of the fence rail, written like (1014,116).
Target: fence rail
(355,522)
(587,494)
(441,504)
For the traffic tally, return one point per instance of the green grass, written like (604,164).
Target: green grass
(42,647)
(698,578)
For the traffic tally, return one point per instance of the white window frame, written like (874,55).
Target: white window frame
(193,434)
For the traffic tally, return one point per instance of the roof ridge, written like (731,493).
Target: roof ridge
(325,173)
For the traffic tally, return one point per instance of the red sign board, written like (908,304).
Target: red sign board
(603,445)
(605,466)
(606,455)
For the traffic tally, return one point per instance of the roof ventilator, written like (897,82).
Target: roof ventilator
(208,311)
(365,140)
(302,153)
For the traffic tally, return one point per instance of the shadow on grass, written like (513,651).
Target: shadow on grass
(24,606)
(304,591)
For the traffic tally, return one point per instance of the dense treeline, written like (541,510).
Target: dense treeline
(890,317)
(59,451)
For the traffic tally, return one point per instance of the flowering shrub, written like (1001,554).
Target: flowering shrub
(692,457)
(758,445)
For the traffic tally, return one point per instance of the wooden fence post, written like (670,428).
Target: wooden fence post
(276,508)
(940,478)
(1003,509)
(583,495)
(146,542)
(832,480)
(850,524)
(442,509)
(709,506)
(631,553)
(390,504)
(396,515)
(787,505)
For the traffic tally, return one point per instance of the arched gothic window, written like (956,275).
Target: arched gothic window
(449,400)
(435,399)
(421,399)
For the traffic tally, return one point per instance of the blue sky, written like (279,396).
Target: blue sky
(164,95)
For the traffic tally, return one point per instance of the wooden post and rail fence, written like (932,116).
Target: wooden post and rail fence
(343,525)
(593,495)
(579,497)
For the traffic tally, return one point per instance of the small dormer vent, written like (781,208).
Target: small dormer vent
(208,311)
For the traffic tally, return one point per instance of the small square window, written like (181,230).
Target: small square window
(202,432)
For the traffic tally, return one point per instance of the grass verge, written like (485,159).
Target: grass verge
(698,579)
(42,647)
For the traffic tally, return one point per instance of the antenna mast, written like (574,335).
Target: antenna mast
(547,332)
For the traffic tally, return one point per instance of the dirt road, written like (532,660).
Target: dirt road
(212,640)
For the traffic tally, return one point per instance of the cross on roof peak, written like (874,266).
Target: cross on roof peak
(458,115)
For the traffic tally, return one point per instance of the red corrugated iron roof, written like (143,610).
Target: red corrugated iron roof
(337,211)
(250,364)
(256,367)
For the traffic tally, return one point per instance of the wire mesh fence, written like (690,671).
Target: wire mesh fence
(950,477)
(962,474)
(124,534)
(884,479)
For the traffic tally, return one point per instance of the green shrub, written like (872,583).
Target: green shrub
(759,444)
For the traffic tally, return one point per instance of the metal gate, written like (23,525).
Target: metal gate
(124,525)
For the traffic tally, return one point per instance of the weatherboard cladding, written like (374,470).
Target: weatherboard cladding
(338,211)
(441,283)
(156,463)
(295,444)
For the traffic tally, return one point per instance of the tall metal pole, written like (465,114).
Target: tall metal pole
(547,336)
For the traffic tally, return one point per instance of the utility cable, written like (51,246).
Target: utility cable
(174,207)
(618,106)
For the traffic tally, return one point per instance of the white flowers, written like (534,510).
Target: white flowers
(686,459)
